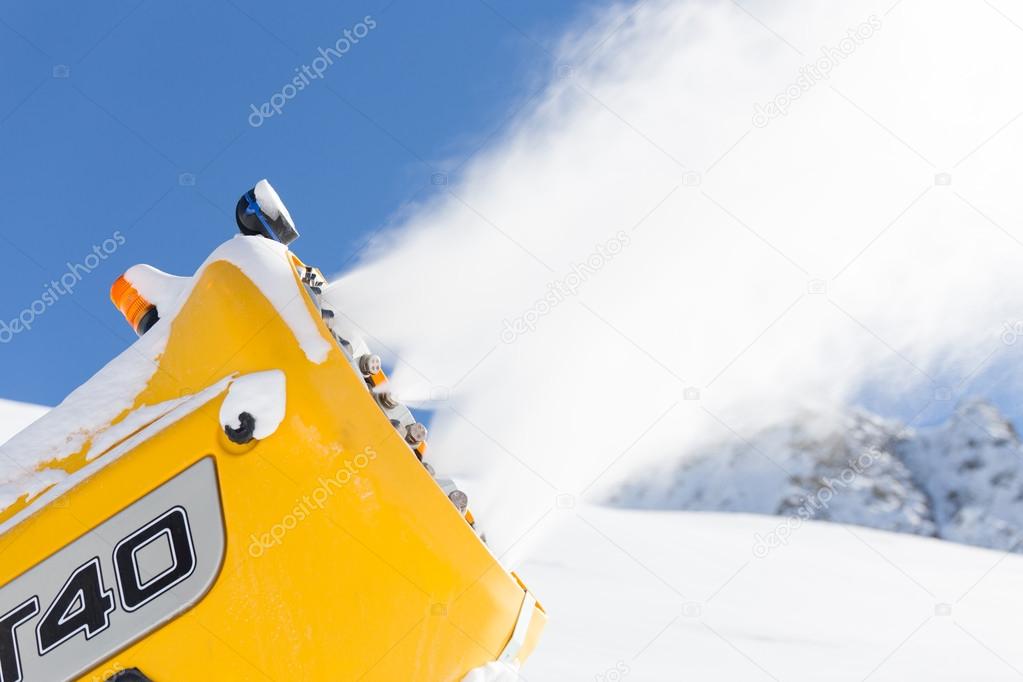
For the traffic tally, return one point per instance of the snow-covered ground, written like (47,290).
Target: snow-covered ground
(15,416)
(659,596)
(662,595)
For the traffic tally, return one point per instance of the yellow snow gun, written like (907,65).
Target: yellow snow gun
(237,496)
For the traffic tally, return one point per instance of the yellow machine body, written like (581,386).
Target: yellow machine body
(344,560)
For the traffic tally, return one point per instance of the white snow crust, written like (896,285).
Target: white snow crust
(270,202)
(262,395)
(89,410)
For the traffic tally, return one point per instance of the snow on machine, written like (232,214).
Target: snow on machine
(237,496)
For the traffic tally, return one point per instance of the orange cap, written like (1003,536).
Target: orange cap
(420,449)
(129,302)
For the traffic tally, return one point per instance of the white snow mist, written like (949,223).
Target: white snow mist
(715,215)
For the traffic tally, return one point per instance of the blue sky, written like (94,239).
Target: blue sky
(131,121)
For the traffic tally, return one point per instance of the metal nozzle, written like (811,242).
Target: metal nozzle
(387,400)
(370,364)
(460,500)
(415,433)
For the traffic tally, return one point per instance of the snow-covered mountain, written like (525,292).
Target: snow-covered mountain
(971,469)
(961,480)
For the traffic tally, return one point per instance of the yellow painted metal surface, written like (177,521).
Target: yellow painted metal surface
(344,559)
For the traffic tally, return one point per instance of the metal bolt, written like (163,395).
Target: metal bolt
(387,400)
(460,500)
(370,364)
(415,433)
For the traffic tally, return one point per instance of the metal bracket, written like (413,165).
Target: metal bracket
(518,637)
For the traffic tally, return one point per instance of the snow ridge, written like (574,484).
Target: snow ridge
(961,480)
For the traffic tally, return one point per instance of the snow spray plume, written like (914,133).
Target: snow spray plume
(638,267)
